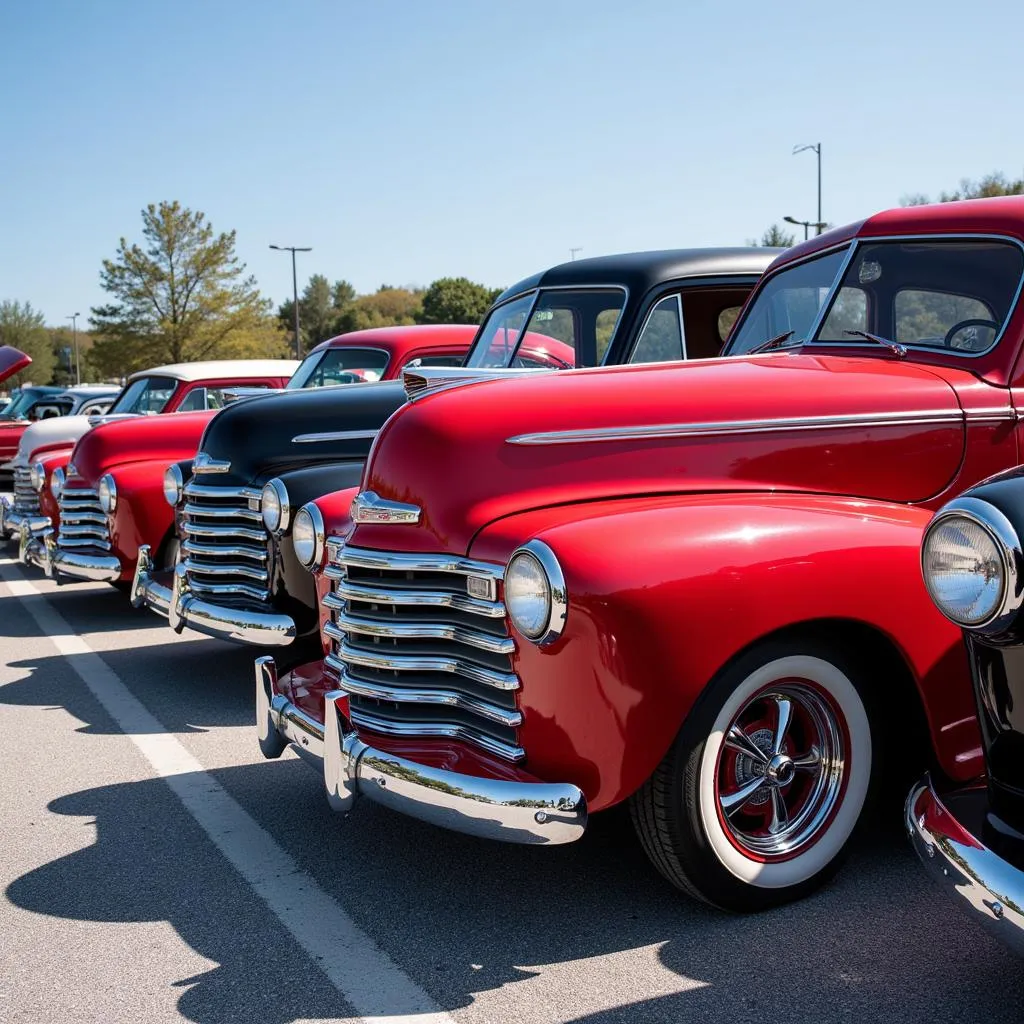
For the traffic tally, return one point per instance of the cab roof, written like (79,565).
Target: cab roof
(639,271)
(404,337)
(218,369)
(1000,215)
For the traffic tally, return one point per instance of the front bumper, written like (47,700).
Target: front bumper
(11,521)
(986,886)
(507,810)
(182,608)
(37,549)
(78,565)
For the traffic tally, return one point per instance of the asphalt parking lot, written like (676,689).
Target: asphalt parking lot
(156,868)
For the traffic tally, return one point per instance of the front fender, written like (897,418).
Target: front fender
(142,515)
(665,591)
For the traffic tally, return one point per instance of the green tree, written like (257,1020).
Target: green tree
(181,295)
(774,236)
(22,327)
(387,307)
(456,300)
(320,308)
(995,184)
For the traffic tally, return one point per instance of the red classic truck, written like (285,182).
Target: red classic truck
(693,589)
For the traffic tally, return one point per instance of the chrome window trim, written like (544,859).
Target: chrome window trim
(335,435)
(1007,541)
(850,243)
(537,292)
(331,348)
(628,361)
(830,299)
(780,424)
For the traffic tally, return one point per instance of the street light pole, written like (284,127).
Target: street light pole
(816,147)
(806,224)
(293,249)
(74,333)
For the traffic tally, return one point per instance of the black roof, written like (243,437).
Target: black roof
(639,271)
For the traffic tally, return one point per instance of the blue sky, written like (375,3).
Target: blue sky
(406,141)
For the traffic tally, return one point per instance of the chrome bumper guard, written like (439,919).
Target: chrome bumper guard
(985,886)
(37,549)
(181,607)
(513,812)
(60,562)
(12,521)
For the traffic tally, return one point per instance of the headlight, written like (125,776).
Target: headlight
(37,476)
(535,596)
(57,483)
(274,503)
(308,536)
(970,559)
(107,493)
(173,485)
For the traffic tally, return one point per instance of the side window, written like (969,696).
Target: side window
(96,408)
(194,401)
(662,336)
(848,313)
(927,318)
(451,360)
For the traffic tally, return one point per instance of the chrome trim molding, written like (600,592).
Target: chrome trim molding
(654,431)
(147,591)
(79,566)
(985,886)
(506,810)
(11,521)
(368,507)
(240,625)
(558,608)
(420,381)
(1008,543)
(204,463)
(366,558)
(335,435)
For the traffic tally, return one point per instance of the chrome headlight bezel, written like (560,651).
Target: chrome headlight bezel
(174,485)
(547,627)
(57,478)
(106,491)
(309,537)
(37,477)
(1002,611)
(274,506)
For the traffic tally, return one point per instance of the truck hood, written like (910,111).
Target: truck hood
(261,437)
(867,427)
(47,433)
(165,439)
(11,361)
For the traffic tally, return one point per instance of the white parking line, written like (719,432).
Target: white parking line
(362,973)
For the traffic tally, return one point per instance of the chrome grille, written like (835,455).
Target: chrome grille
(83,523)
(416,653)
(225,547)
(26,498)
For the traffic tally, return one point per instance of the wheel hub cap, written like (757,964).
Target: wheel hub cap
(780,770)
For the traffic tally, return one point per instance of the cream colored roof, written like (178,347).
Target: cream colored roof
(213,369)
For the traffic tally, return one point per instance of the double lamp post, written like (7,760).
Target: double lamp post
(819,225)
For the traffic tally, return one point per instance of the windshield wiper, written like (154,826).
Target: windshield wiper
(898,350)
(771,343)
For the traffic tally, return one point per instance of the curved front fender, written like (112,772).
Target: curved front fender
(142,515)
(665,591)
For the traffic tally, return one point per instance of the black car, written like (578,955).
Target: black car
(971,840)
(262,459)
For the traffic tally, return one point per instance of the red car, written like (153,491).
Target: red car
(691,589)
(115,501)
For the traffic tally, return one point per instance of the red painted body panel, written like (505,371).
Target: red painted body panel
(681,551)
(405,343)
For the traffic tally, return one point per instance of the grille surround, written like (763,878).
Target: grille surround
(226,547)
(26,497)
(83,523)
(418,656)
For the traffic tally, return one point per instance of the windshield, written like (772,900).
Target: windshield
(145,395)
(21,402)
(339,366)
(557,328)
(788,301)
(949,294)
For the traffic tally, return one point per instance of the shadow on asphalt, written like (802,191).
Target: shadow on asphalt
(463,916)
(189,687)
